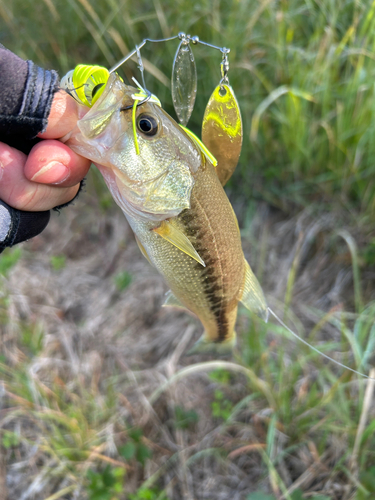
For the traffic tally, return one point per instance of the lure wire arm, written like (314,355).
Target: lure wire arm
(181,36)
(129,56)
(137,49)
(184,40)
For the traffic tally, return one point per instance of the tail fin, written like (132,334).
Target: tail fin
(252,297)
(206,346)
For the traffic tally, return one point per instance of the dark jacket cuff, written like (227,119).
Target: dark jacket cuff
(18,225)
(27,94)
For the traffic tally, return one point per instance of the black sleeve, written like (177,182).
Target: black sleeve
(26,94)
(18,225)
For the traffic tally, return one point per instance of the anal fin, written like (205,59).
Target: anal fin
(252,296)
(173,301)
(177,238)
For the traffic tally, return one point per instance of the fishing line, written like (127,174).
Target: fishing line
(315,349)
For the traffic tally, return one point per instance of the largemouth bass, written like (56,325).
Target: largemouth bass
(171,195)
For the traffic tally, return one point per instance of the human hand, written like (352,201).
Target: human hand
(50,175)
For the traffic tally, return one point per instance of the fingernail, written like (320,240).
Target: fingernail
(52,173)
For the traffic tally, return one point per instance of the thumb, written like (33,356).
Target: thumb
(65,112)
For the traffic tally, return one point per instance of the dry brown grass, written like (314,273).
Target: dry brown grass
(109,360)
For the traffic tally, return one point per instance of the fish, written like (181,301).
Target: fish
(170,192)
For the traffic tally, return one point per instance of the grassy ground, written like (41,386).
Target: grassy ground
(303,72)
(97,400)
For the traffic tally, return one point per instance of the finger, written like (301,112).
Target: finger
(52,162)
(18,192)
(63,116)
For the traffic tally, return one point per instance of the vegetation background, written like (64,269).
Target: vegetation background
(97,400)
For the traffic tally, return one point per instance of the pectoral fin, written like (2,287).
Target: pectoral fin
(205,346)
(142,249)
(173,301)
(167,231)
(252,296)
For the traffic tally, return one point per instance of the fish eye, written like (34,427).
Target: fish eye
(147,124)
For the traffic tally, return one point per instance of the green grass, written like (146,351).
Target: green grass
(293,404)
(304,75)
(278,409)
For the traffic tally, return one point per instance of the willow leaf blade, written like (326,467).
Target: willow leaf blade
(184,82)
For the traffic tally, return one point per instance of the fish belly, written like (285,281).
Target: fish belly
(211,292)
